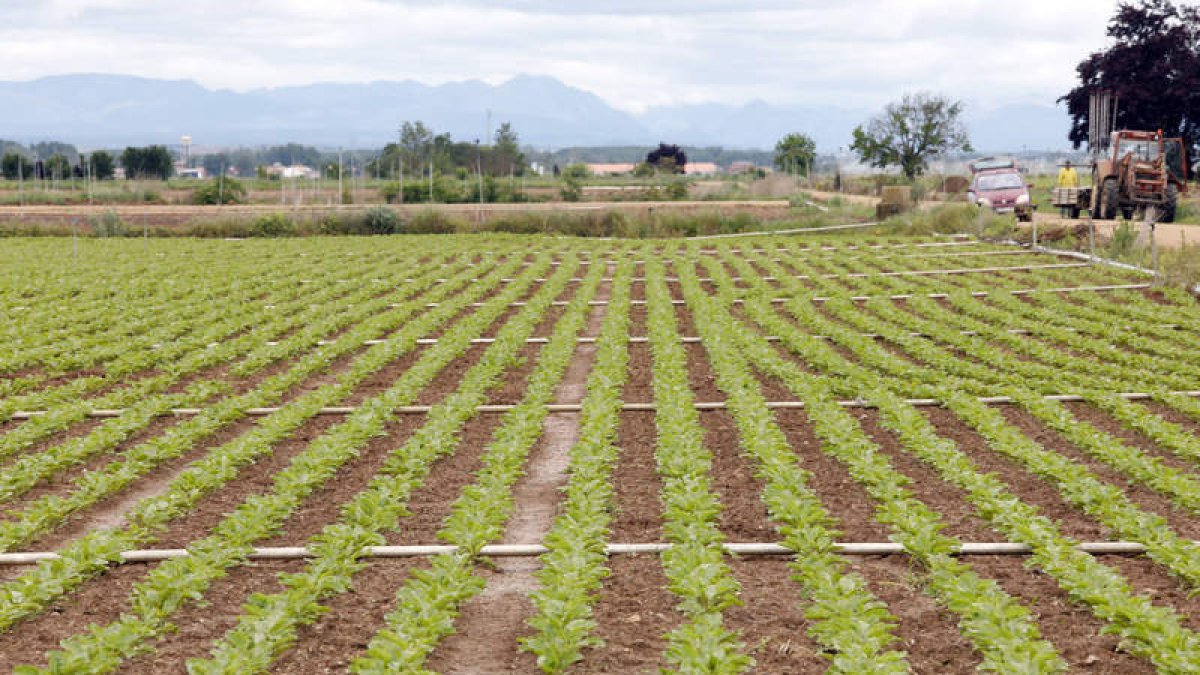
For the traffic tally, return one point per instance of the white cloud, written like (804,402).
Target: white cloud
(632,54)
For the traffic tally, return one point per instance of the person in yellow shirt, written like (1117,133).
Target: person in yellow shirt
(1067,176)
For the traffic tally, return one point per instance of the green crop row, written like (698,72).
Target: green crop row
(427,604)
(574,568)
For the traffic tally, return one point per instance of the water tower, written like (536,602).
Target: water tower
(185,142)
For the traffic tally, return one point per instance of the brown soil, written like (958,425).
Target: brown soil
(633,615)
(771,617)
(637,498)
(342,634)
(846,501)
(744,515)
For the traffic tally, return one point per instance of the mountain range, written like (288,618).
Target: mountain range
(94,110)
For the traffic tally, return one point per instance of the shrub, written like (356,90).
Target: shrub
(380,220)
(432,222)
(1123,239)
(109,225)
(272,225)
(220,191)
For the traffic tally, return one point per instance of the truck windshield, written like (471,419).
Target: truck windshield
(998,181)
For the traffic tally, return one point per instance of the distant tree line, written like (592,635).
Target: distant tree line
(633,154)
(51,160)
(419,151)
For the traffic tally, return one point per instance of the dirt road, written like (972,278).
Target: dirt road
(1169,235)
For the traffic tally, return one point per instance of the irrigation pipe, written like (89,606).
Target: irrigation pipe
(692,339)
(851,275)
(533,550)
(857,298)
(1093,259)
(628,407)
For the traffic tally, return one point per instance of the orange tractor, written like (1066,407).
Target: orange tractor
(1142,170)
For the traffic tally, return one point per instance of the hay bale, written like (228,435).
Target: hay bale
(900,195)
(955,184)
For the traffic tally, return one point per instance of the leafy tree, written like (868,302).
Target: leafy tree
(795,152)
(102,165)
(908,133)
(669,158)
(1152,67)
(505,156)
(154,161)
(416,146)
(51,148)
(58,167)
(15,165)
(291,154)
(572,182)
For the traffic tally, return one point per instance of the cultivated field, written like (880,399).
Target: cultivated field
(482,455)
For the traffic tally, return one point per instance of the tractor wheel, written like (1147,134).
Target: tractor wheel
(1108,199)
(1128,213)
(1073,212)
(1169,204)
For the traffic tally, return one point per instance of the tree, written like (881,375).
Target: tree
(154,161)
(14,166)
(506,156)
(58,167)
(908,133)
(416,146)
(795,153)
(103,165)
(1152,68)
(669,158)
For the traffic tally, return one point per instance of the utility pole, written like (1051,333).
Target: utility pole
(340,176)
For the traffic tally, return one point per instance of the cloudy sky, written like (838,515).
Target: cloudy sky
(634,54)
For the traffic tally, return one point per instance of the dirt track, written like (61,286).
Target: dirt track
(1169,235)
(164,215)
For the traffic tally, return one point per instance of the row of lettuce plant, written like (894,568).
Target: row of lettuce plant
(1104,502)
(854,628)
(999,628)
(195,306)
(63,402)
(1013,377)
(573,569)
(427,604)
(42,515)
(269,623)
(694,565)
(91,554)
(32,468)
(1153,632)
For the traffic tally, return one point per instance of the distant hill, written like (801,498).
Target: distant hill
(115,110)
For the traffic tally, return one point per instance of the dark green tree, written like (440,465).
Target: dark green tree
(58,167)
(153,161)
(907,133)
(668,158)
(14,166)
(102,165)
(1153,69)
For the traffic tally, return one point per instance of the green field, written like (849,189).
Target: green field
(847,454)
